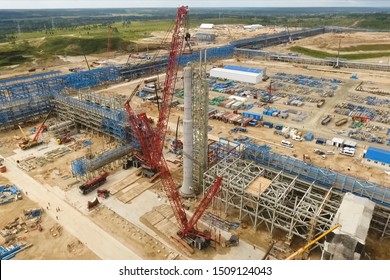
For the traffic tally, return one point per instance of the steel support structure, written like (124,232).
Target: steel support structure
(288,203)
(94,116)
(200,101)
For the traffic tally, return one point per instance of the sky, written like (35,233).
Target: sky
(52,4)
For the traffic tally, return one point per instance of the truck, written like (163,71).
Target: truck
(341,121)
(93,183)
(326,120)
(253,123)
(296,137)
(320,103)
(268,124)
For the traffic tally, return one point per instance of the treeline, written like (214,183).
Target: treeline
(13,21)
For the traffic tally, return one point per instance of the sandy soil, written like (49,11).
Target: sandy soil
(329,42)
(139,241)
(47,244)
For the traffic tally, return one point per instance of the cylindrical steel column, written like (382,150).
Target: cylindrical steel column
(186,190)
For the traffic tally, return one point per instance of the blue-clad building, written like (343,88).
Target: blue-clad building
(377,157)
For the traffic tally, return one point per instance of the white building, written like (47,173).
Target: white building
(238,73)
(337,142)
(347,242)
(253,26)
(206,26)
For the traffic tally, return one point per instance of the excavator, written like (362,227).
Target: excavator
(28,143)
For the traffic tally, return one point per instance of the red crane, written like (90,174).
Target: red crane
(27,144)
(151,140)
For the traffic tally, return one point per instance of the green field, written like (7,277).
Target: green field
(376,47)
(80,41)
(87,31)
(351,56)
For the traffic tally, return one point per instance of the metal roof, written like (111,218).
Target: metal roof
(243,69)
(207,25)
(378,155)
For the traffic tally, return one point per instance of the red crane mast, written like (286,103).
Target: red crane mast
(152,140)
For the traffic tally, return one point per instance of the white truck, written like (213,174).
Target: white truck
(294,135)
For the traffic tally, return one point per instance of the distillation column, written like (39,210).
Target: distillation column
(187,190)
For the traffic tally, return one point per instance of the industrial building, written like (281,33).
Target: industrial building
(253,26)
(254,185)
(238,73)
(206,26)
(377,157)
(347,242)
(204,37)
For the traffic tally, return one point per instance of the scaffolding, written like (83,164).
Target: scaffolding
(102,119)
(200,101)
(91,78)
(10,81)
(222,148)
(82,166)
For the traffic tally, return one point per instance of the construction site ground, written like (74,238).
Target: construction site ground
(52,243)
(122,219)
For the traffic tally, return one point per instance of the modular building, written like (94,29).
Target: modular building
(205,37)
(347,242)
(238,73)
(337,142)
(252,115)
(206,26)
(377,157)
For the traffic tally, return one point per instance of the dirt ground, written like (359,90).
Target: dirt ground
(47,244)
(150,247)
(146,246)
(329,42)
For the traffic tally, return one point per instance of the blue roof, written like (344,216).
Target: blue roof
(244,69)
(378,155)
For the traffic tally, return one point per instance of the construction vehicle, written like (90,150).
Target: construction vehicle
(3,168)
(93,183)
(151,140)
(177,144)
(233,241)
(268,98)
(304,248)
(341,121)
(27,143)
(103,193)
(306,158)
(64,139)
(320,103)
(326,120)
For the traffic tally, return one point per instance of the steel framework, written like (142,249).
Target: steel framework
(200,101)
(280,200)
(321,176)
(108,121)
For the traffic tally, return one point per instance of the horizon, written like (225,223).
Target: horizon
(126,4)
(211,7)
